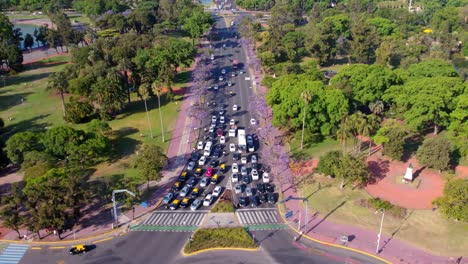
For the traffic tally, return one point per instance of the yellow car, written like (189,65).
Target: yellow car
(214,179)
(198,172)
(195,192)
(185,202)
(78,249)
(177,186)
(183,176)
(222,167)
(175,204)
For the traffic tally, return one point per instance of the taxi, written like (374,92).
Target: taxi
(175,204)
(185,202)
(222,167)
(78,249)
(214,179)
(198,172)
(195,192)
(177,186)
(183,176)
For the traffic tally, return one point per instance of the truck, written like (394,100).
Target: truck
(241,139)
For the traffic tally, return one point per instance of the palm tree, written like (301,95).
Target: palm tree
(144,93)
(157,88)
(377,107)
(344,132)
(58,81)
(306,97)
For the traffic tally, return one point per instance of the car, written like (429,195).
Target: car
(217,191)
(254,201)
(191,165)
(214,179)
(214,163)
(198,172)
(214,119)
(209,172)
(269,187)
(244,160)
(229,83)
(241,72)
(253,121)
(249,139)
(200,145)
(266,177)
(254,174)
(235,168)
(255,166)
(233,74)
(78,249)
(222,139)
(220,78)
(168,198)
(221,111)
(206,153)
(175,204)
(216,153)
(248,191)
(234,108)
(243,170)
(195,192)
(232,122)
(250,147)
(204,182)
(236,156)
(202,161)
(235,177)
(246,179)
(222,167)
(263,197)
(177,186)
(211,130)
(232,147)
(219,132)
(216,87)
(223,71)
(185,202)
(260,187)
(212,57)
(196,204)
(194,156)
(271,198)
(185,191)
(253,158)
(183,177)
(237,188)
(221,120)
(243,201)
(191,182)
(208,200)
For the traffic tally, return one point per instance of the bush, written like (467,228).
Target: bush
(78,111)
(220,238)
(328,163)
(454,203)
(380,204)
(435,153)
(377,204)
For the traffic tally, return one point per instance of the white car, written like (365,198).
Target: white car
(207,153)
(266,177)
(254,174)
(229,83)
(202,161)
(195,205)
(221,119)
(200,145)
(232,122)
(244,160)
(223,71)
(208,200)
(184,191)
(220,78)
(214,119)
(241,72)
(237,188)
(212,127)
(232,147)
(222,139)
(253,158)
(253,121)
(234,108)
(233,74)
(235,177)
(235,168)
(243,171)
(217,191)
(204,182)
(216,87)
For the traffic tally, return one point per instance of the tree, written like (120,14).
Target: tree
(197,23)
(377,107)
(432,68)
(458,129)
(454,202)
(100,127)
(435,153)
(150,161)
(58,82)
(157,89)
(11,210)
(306,97)
(21,143)
(109,94)
(77,111)
(61,140)
(328,163)
(144,94)
(364,41)
(28,42)
(344,132)
(392,136)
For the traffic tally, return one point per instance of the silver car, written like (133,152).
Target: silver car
(204,182)
(195,205)
(184,191)
(243,171)
(237,188)
(248,191)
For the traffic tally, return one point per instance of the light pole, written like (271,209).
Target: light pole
(380,231)
(114,204)
(306,210)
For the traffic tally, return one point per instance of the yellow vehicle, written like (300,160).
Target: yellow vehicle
(214,179)
(222,167)
(78,249)
(183,176)
(198,172)
(185,202)
(195,192)
(175,204)
(177,186)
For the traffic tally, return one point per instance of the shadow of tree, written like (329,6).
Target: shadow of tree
(25,78)
(32,124)
(326,216)
(11,100)
(378,170)
(42,64)
(122,143)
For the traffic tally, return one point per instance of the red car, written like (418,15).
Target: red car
(209,172)
(220,132)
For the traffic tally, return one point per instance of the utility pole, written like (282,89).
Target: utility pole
(380,231)
(303,199)
(114,204)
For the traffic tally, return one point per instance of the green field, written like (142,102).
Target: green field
(232,237)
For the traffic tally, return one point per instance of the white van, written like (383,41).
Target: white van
(232,133)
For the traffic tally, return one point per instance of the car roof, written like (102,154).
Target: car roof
(186,199)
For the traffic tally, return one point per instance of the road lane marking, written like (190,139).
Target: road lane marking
(57,247)
(102,240)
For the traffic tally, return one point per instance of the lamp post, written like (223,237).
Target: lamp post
(380,231)
(114,204)
(306,211)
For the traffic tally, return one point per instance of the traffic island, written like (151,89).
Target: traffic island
(225,238)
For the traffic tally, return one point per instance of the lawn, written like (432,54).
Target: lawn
(315,150)
(223,207)
(422,228)
(233,237)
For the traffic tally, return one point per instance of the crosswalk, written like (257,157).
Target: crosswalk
(257,216)
(13,254)
(169,218)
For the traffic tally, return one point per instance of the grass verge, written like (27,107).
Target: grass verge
(425,229)
(232,237)
(223,207)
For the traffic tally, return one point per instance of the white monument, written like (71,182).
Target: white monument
(409,173)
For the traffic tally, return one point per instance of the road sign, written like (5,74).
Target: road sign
(144,204)
(288,214)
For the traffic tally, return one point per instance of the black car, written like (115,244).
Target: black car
(216,154)
(255,166)
(195,156)
(261,187)
(236,156)
(263,197)
(214,163)
(271,198)
(254,201)
(250,140)
(243,201)
(246,179)
(269,187)
(191,182)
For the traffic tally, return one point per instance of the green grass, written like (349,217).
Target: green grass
(422,228)
(220,238)
(314,150)
(223,207)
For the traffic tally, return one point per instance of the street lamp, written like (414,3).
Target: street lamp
(380,231)
(306,201)
(114,205)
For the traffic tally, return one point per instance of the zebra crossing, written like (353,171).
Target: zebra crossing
(257,216)
(13,254)
(170,218)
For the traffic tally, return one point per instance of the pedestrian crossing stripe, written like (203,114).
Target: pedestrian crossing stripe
(174,219)
(164,228)
(257,217)
(13,253)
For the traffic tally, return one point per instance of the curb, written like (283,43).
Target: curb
(330,244)
(218,249)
